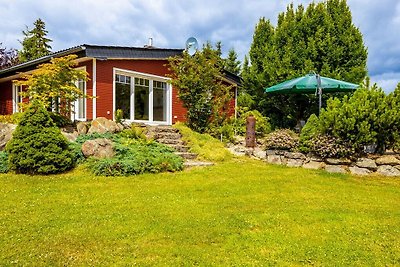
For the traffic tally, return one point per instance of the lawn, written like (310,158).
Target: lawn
(241,212)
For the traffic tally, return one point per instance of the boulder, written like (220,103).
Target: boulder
(366,163)
(335,169)
(237,150)
(294,162)
(102,125)
(313,157)
(70,136)
(259,153)
(314,165)
(387,160)
(359,171)
(294,155)
(82,127)
(342,161)
(274,159)
(271,152)
(388,170)
(6,132)
(99,148)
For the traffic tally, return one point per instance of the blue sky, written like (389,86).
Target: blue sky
(170,23)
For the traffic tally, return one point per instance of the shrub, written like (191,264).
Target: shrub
(37,146)
(60,120)
(327,146)
(119,115)
(135,132)
(137,157)
(263,126)
(14,118)
(282,139)
(308,132)
(3,162)
(204,145)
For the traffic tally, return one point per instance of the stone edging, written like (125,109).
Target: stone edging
(387,165)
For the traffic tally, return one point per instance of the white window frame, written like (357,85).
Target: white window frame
(76,102)
(16,89)
(151,78)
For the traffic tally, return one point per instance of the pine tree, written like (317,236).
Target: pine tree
(35,43)
(232,64)
(320,38)
(37,146)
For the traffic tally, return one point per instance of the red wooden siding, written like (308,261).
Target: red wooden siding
(6,104)
(104,87)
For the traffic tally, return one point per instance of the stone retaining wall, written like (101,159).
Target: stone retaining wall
(388,165)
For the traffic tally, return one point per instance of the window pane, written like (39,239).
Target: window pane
(159,101)
(81,112)
(123,99)
(141,99)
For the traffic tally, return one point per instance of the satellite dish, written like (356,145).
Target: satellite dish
(192,46)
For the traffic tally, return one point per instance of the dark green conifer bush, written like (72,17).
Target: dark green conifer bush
(37,146)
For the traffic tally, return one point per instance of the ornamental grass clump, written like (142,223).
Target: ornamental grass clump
(282,139)
(37,146)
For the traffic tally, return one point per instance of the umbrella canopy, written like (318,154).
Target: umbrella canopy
(312,83)
(309,84)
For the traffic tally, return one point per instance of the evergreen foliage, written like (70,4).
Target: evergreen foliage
(37,146)
(282,139)
(35,43)
(369,117)
(137,156)
(199,84)
(232,64)
(320,38)
(3,162)
(54,83)
(8,57)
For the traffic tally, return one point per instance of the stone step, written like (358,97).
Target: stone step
(164,129)
(193,163)
(167,135)
(186,155)
(180,148)
(170,141)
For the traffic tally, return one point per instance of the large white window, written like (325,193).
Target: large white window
(17,98)
(142,97)
(79,106)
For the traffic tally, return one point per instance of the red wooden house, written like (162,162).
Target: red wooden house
(129,78)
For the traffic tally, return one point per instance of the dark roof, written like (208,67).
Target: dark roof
(96,51)
(233,77)
(106,52)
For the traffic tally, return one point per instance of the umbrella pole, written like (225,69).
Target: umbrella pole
(319,93)
(320,100)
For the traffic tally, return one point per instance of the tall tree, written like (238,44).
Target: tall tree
(200,87)
(320,38)
(232,63)
(8,57)
(35,43)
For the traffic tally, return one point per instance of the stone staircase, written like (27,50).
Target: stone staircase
(171,137)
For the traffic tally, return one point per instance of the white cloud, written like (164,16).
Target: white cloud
(388,81)
(170,23)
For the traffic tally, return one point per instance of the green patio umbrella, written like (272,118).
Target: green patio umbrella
(311,83)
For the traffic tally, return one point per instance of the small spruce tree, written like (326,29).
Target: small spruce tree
(37,146)
(35,43)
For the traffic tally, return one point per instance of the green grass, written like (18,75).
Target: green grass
(241,212)
(204,145)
